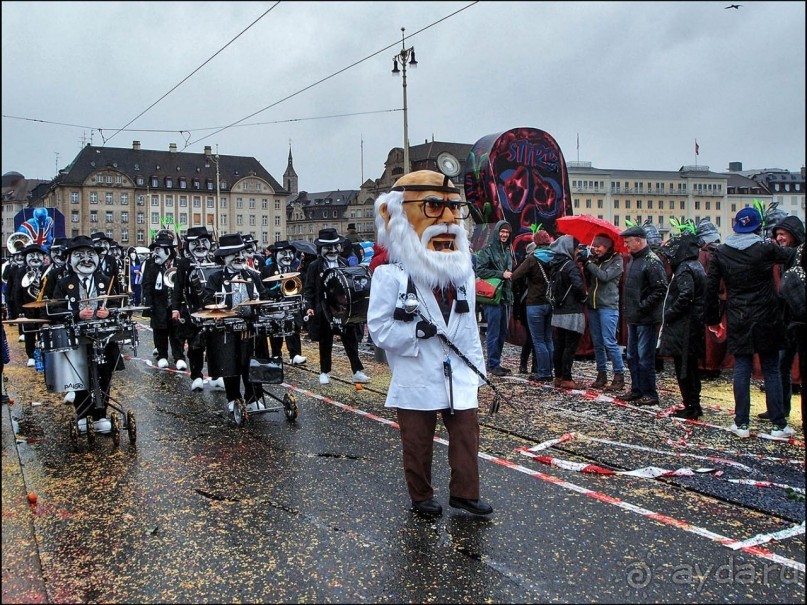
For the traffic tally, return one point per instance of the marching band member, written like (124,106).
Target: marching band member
(108,264)
(285,261)
(86,281)
(328,245)
(58,267)
(187,297)
(157,296)
(12,276)
(428,287)
(234,284)
(34,256)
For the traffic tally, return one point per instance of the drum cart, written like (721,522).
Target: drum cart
(73,366)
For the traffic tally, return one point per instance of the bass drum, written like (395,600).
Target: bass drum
(223,353)
(67,371)
(347,294)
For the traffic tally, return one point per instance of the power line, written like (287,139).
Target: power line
(189,75)
(189,130)
(325,79)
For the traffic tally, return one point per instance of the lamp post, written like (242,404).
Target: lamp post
(215,159)
(407,55)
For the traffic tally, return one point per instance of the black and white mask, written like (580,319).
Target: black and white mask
(84,261)
(199,249)
(160,255)
(236,261)
(330,252)
(34,260)
(285,257)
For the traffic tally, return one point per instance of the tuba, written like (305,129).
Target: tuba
(291,286)
(32,282)
(169,277)
(17,242)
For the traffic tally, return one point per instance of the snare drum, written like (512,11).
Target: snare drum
(347,294)
(98,328)
(57,338)
(67,370)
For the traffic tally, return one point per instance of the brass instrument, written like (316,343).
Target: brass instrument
(17,242)
(169,277)
(290,283)
(125,275)
(32,282)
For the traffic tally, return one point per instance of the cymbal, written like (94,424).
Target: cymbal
(131,309)
(216,306)
(213,314)
(237,281)
(38,304)
(25,320)
(253,303)
(281,277)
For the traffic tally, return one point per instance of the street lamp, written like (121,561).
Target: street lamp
(407,55)
(215,158)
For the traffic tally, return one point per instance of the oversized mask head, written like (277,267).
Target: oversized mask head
(285,257)
(84,261)
(18,259)
(57,256)
(199,249)
(237,261)
(34,260)
(330,252)
(161,254)
(420,223)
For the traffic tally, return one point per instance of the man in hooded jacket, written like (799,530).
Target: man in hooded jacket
(497,260)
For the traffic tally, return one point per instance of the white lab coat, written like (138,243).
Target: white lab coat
(418,381)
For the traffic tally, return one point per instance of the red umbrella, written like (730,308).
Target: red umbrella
(585,228)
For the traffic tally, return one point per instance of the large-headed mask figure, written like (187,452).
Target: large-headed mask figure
(83,257)
(34,258)
(420,224)
(163,248)
(198,243)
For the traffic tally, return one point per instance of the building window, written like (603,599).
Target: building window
(197,201)
(239,203)
(109,217)
(258,187)
(140,181)
(93,216)
(169,217)
(252,203)
(155,200)
(141,236)
(118,180)
(183,217)
(638,204)
(672,204)
(141,218)
(124,217)
(277,204)
(627,207)
(264,221)
(93,197)
(124,235)
(223,202)
(649,204)
(223,220)
(183,201)
(74,216)
(682,205)
(155,218)
(141,199)
(616,203)
(183,182)
(239,220)
(155,182)
(588,203)
(697,205)
(169,201)
(108,197)
(196,184)
(277,221)
(74,197)
(209,185)
(251,220)
(169,182)
(124,199)
(210,201)
(265,204)
(577,203)
(600,204)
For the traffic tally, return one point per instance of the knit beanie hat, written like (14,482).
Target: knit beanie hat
(542,238)
(602,240)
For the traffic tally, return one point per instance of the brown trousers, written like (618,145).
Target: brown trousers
(417,437)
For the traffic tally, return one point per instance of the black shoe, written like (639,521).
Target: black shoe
(499,371)
(646,400)
(427,507)
(764,416)
(522,369)
(477,507)
(629,396)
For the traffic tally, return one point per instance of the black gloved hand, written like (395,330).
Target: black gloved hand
(425,329)
(582,254)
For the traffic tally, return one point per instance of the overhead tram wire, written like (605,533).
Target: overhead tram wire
(333,75)
(189,130)
(105,140)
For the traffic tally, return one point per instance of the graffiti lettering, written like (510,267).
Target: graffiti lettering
(529,154)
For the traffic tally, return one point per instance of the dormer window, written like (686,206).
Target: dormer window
(140,180)
(196,184)
(155,182)
(209,184)
(183,182)
(169,182)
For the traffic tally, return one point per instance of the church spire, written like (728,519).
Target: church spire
(290,176)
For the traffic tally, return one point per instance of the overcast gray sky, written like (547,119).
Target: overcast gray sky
(638,81)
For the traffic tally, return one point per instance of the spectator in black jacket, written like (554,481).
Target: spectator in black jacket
(753,313)
(788,233)
(791,291)
(643,293)
(683,334)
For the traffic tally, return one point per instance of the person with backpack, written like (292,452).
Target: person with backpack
(567,296)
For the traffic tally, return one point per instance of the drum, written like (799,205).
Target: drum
(278,318)
(97,329)
(223,351)
(67,370)
(57,338)
(347,294)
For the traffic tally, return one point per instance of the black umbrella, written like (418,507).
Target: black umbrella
(303,246)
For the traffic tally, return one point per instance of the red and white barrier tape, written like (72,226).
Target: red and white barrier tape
(796,530)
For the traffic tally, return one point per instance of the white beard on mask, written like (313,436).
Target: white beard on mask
(427,267)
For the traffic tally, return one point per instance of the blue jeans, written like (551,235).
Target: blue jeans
(539,318)
(496,316)
(743,367)
(642,359)
(602,325)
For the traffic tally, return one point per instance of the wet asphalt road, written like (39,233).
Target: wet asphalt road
(315,510)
